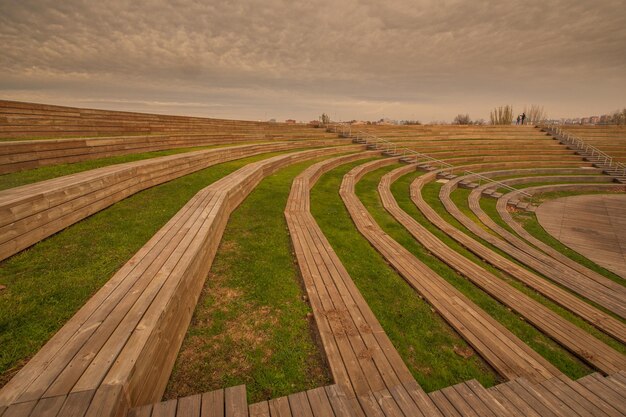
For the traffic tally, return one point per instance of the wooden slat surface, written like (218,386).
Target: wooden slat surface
(564,332)
(607,293)
(137,318)
(594,316)
(498,346)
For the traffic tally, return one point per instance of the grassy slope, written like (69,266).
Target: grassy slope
(568,364)
(250,325)
(425,341)
(49,282)
(15,179)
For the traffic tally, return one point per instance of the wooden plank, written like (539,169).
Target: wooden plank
(320,404)
(511,406)
(20,409)
(299,404)
(338,401)
(279,407)
(213,404)
(48,407)
(405,402)
(235,401)
(189,406)
(602,389)
(443,404)
(597,405)
(459,402)
(143,411)
(77,403)
(479,399)
(261,409)
(527,394)
(165,409)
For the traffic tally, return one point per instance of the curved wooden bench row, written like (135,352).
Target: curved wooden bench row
(474,205)
(511,357)
(484,145)
(33,212)
(583,345)
(501,206)
(22,155)
(118,350)
(608,294)
(361,357)
(564,298)
(30,119)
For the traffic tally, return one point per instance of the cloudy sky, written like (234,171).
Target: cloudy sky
(354,59)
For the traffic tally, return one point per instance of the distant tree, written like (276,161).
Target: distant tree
(619,117)
(325,118)
(462,119)
(535,114)
(411,122)
(480,122)
(502,115)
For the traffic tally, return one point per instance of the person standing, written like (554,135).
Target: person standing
(519,117)
(523,117)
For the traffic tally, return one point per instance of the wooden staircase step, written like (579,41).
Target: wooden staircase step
(229,402)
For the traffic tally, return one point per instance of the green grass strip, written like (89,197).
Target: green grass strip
(15,179)
(367,191)
(250,325)
(432,350)
(47,283)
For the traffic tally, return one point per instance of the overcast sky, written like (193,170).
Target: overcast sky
(356,59)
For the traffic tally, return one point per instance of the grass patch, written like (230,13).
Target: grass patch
(424,340)
(48,282)
(15,179)
(250,325)
(367,191)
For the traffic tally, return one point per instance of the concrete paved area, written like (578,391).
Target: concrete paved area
(592,225)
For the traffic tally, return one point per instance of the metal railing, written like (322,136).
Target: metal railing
(391,147)
(591,151)
(499,184)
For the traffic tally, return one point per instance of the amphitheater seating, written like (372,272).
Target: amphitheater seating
(569,335)
(19,120)
(114,357)
(609,139)
(33,212)
(118,350)
(604,291)
(509,355)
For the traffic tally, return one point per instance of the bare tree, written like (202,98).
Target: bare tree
(462,119)
(535,114)
(325,119)
(479,122)
(502,115)
(619,117)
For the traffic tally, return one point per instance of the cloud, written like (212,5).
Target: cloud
(296,59)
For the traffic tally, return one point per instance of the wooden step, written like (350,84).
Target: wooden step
(231,402)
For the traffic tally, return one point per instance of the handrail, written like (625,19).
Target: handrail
(499,183)
(346,131)
(582,145)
